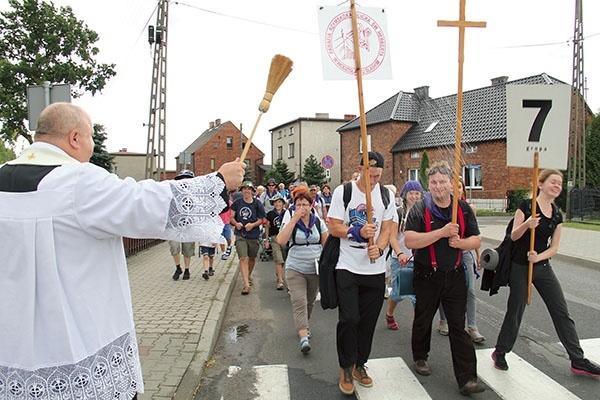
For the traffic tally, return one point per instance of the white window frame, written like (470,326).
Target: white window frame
(360,147)
(279,152)
(473,177)
(229,142)
(413,174)
(291,150)
(291,130)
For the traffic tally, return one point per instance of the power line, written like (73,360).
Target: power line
(252,21)
(546,44)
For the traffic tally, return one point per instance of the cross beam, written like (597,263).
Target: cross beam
(461,24)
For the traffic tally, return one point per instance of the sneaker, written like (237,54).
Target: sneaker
(211,271)
(422,367)
(204,275)
(585,367)
(471,387)
(177,273)
(226,254)
(346,384)
(500,361)
(476,337)
(186,275)
(305,346)
(308,334)
(443,328)
(359,373)
(388,291)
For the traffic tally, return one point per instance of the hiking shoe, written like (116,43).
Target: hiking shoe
(443,328)
(205,274)
(476,337)
(471,387)
(346,384)
(360,374)
(211,271)
(305,347)
(422,367)
(186,275)
(177,273)
(500,361)
(585,367)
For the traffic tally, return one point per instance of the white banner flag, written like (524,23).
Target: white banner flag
(337,43)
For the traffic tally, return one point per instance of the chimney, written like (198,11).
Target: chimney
(217,121)
(211,124)
(422,92)
(499,80)
(322,115)
(123,150)
(349,117)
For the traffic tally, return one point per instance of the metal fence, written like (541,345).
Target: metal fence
(584,204)
(133,246)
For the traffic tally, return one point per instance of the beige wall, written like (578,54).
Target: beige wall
(130,165)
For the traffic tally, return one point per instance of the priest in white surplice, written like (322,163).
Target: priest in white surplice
(66,320)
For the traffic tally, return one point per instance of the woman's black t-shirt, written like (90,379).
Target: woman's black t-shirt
(543,233)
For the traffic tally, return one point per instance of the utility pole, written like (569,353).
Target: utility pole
(576,167)
(157,121)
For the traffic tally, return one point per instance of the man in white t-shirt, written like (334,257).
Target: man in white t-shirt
(360,283)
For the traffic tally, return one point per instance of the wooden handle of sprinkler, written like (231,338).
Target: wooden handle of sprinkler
(249,142)
(536,157)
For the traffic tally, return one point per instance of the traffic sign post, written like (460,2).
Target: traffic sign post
(41,96)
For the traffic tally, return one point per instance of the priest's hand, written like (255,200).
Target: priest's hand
(233,173)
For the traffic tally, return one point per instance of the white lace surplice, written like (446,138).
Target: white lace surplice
(66,326)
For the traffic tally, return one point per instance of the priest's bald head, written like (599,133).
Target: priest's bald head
(68,127)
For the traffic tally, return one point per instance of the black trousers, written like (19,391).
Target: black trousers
(548,287)
(449,288)
(360,300)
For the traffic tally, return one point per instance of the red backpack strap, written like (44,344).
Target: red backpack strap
(461,230)
(428,229)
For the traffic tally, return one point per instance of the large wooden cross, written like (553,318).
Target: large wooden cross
(461,24)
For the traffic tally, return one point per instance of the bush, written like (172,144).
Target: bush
(515,197)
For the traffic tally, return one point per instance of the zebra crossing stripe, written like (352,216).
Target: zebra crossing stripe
(392,379)
(522,381)
(272,382)
(591,349)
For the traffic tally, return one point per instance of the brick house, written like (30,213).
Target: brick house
(220,143)
(407,124)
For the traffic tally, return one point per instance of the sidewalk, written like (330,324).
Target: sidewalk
(178,322)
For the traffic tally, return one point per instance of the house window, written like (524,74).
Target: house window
(291,150)
(472,175)
(413,174)
(279,135)
(360,149)
(291,132)
(415,154)
(279,152)
(471,149)
(215,145)
(431,126)
(212,164)
(229,142)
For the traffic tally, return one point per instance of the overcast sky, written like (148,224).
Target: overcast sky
(219,53)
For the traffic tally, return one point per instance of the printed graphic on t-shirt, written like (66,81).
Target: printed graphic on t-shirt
(245,212)
(358,215)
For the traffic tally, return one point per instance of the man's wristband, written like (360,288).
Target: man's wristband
(354,235)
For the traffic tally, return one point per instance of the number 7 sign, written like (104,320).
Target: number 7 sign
(537,120)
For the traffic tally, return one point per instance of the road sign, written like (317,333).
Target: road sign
(537,120)
(327,162)
(40,96)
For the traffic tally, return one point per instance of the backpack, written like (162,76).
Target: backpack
(497,263)
(293,237)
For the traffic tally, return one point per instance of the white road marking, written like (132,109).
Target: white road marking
(272,382)
(392,379)
(522,380)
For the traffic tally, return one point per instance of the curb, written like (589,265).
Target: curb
(190,382)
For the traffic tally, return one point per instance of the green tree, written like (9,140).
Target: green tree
(40,43)
(101,157)
(313,172)
(423,169)
(281,173)
(592,153)
(6,153)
